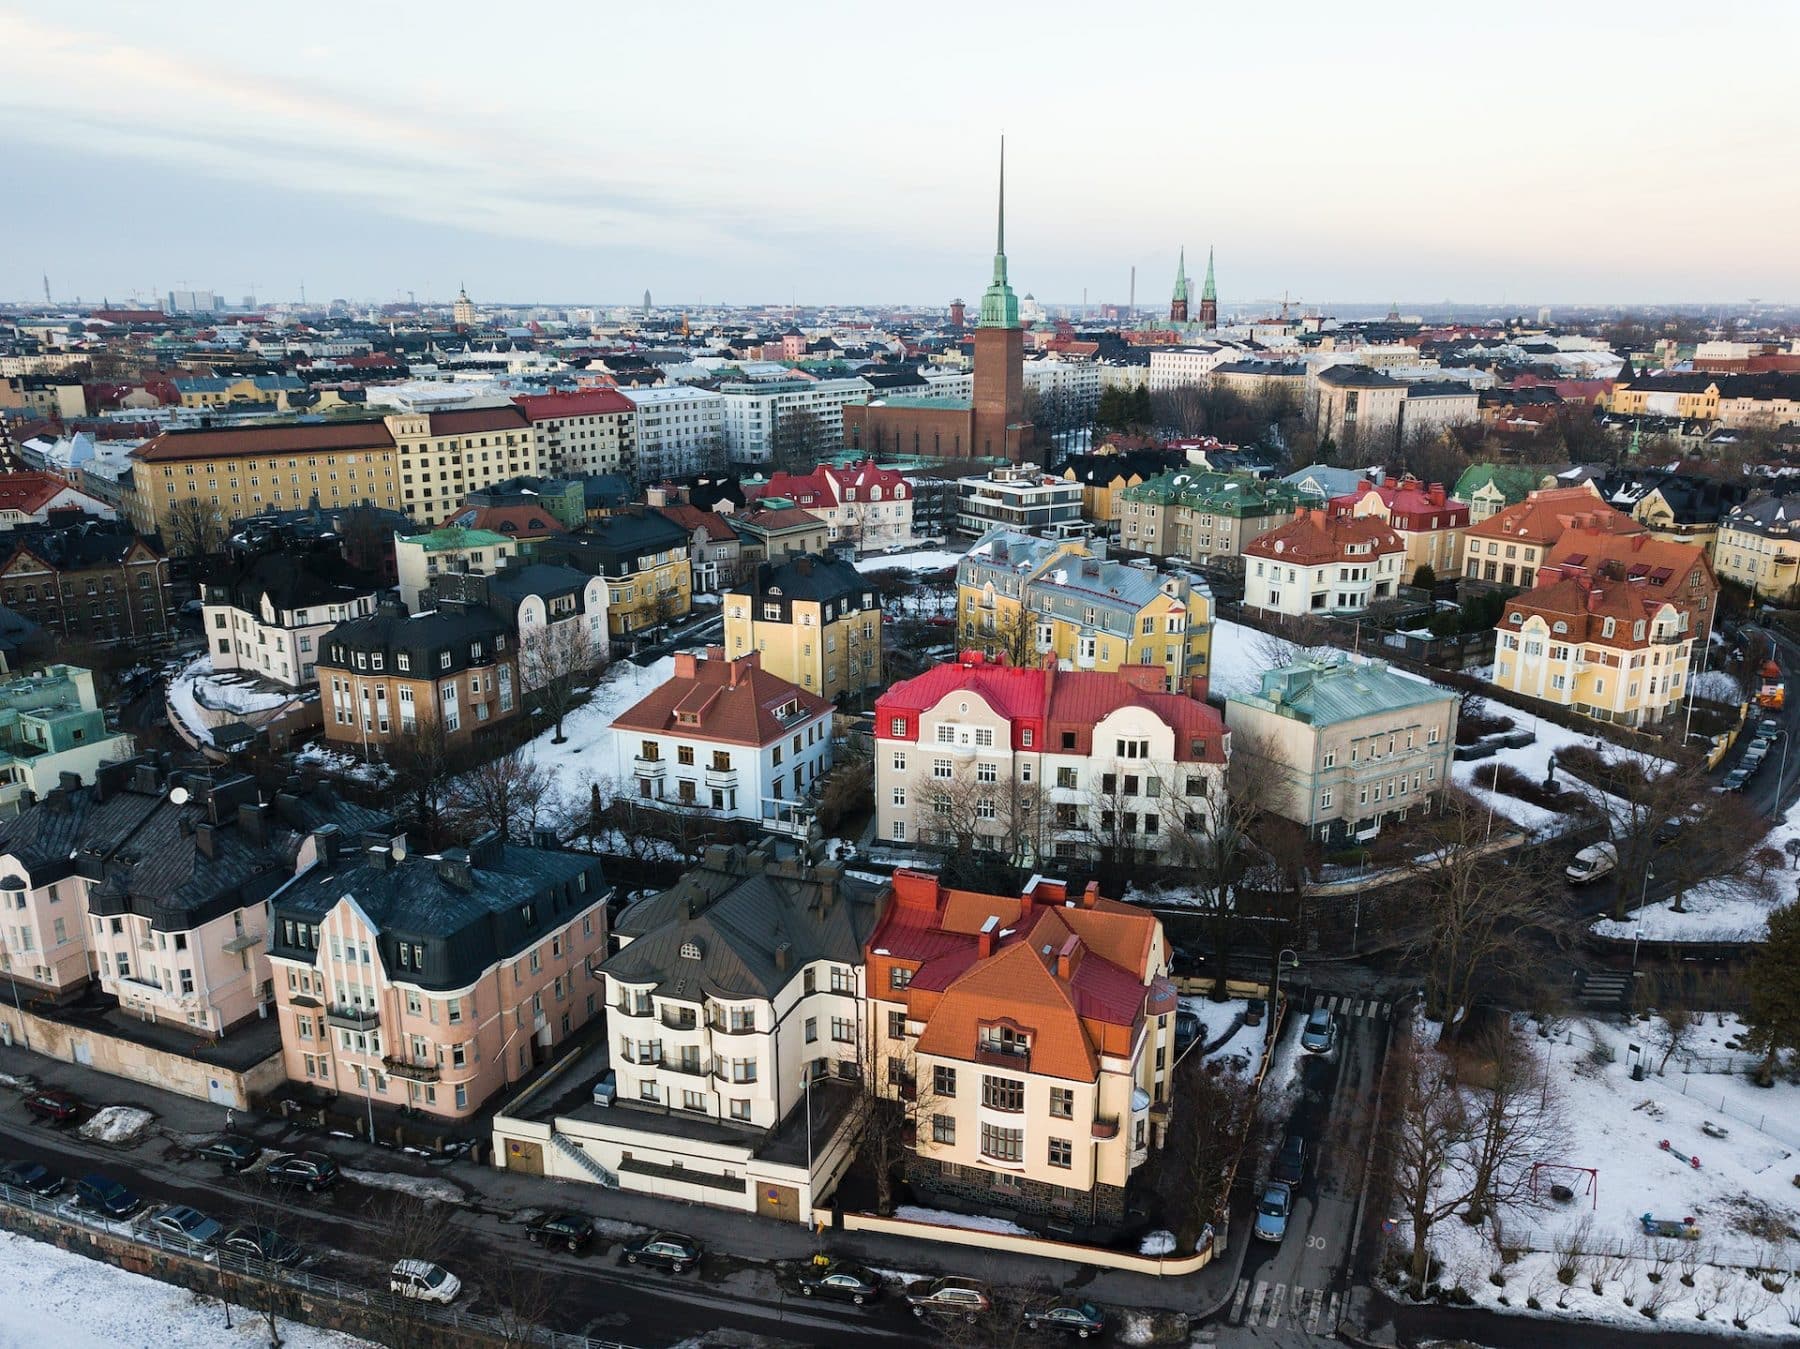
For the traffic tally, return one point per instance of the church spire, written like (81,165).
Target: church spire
(1207,290)
(1178,303)
(1209,297)
(999,306)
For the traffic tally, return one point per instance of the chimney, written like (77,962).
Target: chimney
(686,664)
(206,838)
(453,870)
(378,857)
(985,942)
(1091,895)
(1065,958)
(783,954)
(68,781)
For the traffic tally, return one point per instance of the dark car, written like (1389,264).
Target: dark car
(571,1231)
(951,1295)
(842,1280)
(312,1170)
(233,1152)
(33,1176)
(59,1107)
(1290,1162)
(1188,1028)
(104,1195)
(671,1250)
(1069,1314)
(261,1243)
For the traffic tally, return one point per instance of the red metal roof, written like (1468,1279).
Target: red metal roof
(541,407)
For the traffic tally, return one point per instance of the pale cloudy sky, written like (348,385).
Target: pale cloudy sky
(1531,152)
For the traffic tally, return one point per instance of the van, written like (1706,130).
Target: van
(1591,863)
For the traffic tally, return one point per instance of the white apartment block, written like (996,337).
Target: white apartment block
(754,411)
(1180,367)
(679,430)
(1077,380)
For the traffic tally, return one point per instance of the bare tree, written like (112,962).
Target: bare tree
(1671,1032)
(555,661)
(525,1295)
(1426,1144)
(1515,1118)
(423,761)
(192,528)
(1013,636)
(798,441)
(893,1119)
(408,1228)
(964,814)
(511,793)
(1207,1132)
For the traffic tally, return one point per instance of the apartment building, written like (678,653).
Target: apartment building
(420,559)
(1039,762)
(1201,517)
(862,505)
(1680,573)
(813,621)
(1429,522)
(680,430)
(440,457)
(583,431)
(176,875)
(1509,547)
(432,982)
(1355,405)
(716,552)
(211,391)
(754,411)
(1318,563)
(1759,547)
(52,731)
(98,581)
(556,615)
(1024,595)
(769,534)
(1488,489)
(266,615)
(1017,497)
(381,676)
(1186,367)
(646,560)
(1352,744)
(189,485)
(1074,384)
(1434,406)
(1030,1041)
(1597,642)
(1107,474)
(35,498)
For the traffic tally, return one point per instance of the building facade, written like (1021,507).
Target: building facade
(266,615)
(1319,563)
(583,431)
(93,582)
(1759,547)
(1429,522)
(862,505)
(420,559)
(1509,547)
(680,430)
(51,728)
(1357,406)
(1017,497)
(1199,517)
(755,413)
(812,621)
(440,457)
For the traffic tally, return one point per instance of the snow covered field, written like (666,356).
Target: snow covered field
(587,755)
(1533,760)
(54,1297)
(202,698)
(928,559)
(1732,908)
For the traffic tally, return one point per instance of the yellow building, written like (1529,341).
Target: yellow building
(1688,396)
(1026,597)
(645,559)
(1759,546)
(815,622)
(188,485)
(219,390)
(443,456)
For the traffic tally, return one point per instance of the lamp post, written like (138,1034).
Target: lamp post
(1281,963)
(13,979)
(806,1078)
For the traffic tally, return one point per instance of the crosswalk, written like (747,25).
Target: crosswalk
(1348,1004)
(1604,988)
(1313,1310)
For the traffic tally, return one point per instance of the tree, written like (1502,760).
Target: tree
(192,528)
(409,1228)
(525,1295)
(964,814)
(555,660)
(423,761)
(1425,577)
(893,1115)
(1012,635)
(1515,1120)
(1215,1104)
(797,442)
(1772,981)
(1426,1144)
(509,793)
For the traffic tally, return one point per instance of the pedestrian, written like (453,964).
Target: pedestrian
(230,1115)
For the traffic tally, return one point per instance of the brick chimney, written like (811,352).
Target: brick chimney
(1090,895)
(686,664)
(984,945)
(1065,958)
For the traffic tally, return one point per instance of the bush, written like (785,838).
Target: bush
(1425,578)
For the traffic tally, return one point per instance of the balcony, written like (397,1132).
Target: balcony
(628,1009)
(352,1017)
(725,1026)
(653,769)
(688,1067)
(686,1019)
(1104,1128)
(244,941)
(725,779)
(412,1072)
(909,1089)
(1015,1057)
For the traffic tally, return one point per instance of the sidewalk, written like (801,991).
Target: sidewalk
(501,1194)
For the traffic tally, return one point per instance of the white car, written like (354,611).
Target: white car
(423,1280)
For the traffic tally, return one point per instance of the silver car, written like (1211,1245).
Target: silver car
(1320,1033)
(186,1223)
(1272,1209)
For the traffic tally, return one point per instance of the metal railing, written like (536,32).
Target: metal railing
(312,1285)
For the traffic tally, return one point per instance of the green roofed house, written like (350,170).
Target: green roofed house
(1202,517)
(1491,488)
(1356,744)
(420,557)
(52,728)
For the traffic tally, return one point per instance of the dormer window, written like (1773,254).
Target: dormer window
(443,660)
(690,950)
(1559,626)
(375,661)
(1607,627)
(403,661)
(1637,631)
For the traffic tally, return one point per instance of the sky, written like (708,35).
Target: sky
(839,153)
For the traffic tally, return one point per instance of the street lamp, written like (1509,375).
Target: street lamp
(1281,963)
(806,1078)
(13,979)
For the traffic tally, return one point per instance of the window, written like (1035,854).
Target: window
(843,1030)
(943,1129)
(896,1025)
(1066,779)
(1003,1093)
(812,1029)
(899,978)
(1062,1102)
(740,1108)
(943,1081)
(842,980)
(1003,1145)
(1062,1152)
(941,768)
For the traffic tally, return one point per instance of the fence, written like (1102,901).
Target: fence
(1782,1132)
(359,1302)
(1712,1249)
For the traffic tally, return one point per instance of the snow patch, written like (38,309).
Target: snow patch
(974,1222)
(1157,1243)
(424,1187)
(119,1124)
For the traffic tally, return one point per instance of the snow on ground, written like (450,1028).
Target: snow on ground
(340,763)
(1533,760)
(424,1187)
(1731,908)
(1717,685)
(117,1124)
(928,559)
(1218,1019)
(587,755)
(201,698)
(1157,1243)
(974,1222)
(56,1297)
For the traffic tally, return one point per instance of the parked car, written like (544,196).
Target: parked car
(1254,1011)
(1071,1315)
(1290,1162)
(262,1243)
(1591,863)
(842,1280)
(572,1231)
(1735,781)
(1272,1211)
(59,1107)
(312,1170)
(1669,831)
(424,1281)
(1770,729)
(671,1250)
(1188,1028)
(32,1176)
(1754,753)
(100,1194)
(233,1152)
(951,1295)
(188,1223)
(1320,1033)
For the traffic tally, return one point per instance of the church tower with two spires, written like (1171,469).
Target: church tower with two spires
(999,428)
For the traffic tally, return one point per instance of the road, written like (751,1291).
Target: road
(1292,1294)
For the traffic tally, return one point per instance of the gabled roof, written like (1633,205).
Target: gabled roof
(692,517)
(1313,538)
(733,702)
(1664,567)
(1543,516)
(513,522)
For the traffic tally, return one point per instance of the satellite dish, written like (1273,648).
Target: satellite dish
(179,795)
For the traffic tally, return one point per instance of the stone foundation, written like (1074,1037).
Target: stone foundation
(1102,1206)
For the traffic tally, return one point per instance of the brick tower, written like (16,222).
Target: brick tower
(1178,304)
(1209,298)
(1000,428)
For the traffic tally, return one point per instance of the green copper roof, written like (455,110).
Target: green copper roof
(999,306)
(455,536)
(1235,494)
(1206,290)
(1181,277)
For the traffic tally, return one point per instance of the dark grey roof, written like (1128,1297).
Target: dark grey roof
(469,909)
(548,579)
(753,921)
(1356,377)
(458,629)
(291,578)
(806,577)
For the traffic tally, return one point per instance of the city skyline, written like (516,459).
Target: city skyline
(760,165)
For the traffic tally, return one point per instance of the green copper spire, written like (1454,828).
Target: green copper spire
(1206,289)
(1181,277)
(999,306)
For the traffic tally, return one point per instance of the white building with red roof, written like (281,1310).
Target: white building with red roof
(1429,520)
(1319,563)
(862,504)
(725,737)
(1030,1040)
(1037,762)
(583,431)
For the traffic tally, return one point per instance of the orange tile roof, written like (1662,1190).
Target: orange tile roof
(1312,537)
(1584,603)
(1664,567)
(730,701)
(1542,517)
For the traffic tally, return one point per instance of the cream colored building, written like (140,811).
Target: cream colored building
(815,622)
(1356,406)
(1759,546)
(443,456)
